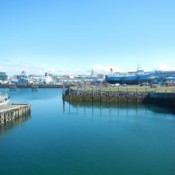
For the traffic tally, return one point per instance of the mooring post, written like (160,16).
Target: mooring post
(100,92)
(63,93)
(69,93)
(63,89)
(63,106)
(109,95)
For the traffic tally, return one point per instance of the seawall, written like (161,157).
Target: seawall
(159,98)
(104,96)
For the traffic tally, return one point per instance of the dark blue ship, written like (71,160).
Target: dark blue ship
(134,78)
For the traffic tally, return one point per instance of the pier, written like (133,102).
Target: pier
(13,111)
(104,96)
(34,87)
(13,87)
(162,96)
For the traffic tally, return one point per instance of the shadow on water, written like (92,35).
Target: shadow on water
(160,109)
(4,128)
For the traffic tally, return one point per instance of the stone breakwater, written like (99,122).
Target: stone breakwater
(104,96)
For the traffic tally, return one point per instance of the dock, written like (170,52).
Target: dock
(162,96)
(13,111)
(34,87)
(13,87)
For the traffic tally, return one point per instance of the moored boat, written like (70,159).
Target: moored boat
(4,99)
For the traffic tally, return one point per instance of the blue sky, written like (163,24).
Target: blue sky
(78,35)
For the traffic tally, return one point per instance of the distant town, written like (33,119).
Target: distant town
(138,77)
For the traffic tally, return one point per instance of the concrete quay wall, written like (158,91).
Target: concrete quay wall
(161,98)
(13,111)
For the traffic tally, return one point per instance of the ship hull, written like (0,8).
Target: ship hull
(130,79)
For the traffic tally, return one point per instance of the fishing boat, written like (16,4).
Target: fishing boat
(4,99)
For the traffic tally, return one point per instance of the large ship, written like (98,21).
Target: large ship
(131,78)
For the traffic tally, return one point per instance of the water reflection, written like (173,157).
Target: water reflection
(14,123)
(27,94)
(112,109)
(161,110)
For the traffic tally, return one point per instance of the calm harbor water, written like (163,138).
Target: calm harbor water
(86,139)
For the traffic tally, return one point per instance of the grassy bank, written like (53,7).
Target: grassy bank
(128,89)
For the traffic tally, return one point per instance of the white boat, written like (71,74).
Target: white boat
(4,99)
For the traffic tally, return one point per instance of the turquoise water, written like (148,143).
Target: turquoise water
(86,139)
